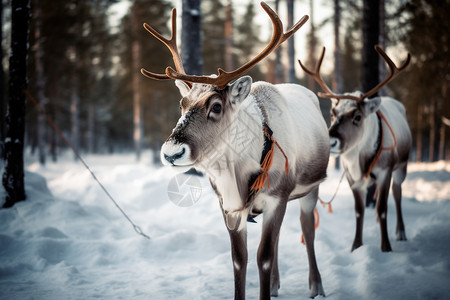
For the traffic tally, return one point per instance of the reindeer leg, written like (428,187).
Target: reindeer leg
(239,256)
(381,208)
(275,276)
(398,176)
(308,203)
(359,197)
(267,252)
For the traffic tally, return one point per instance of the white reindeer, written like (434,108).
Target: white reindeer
(373,138)
(229,131)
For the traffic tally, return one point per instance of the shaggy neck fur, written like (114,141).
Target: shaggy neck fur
(238,158)
(357,159)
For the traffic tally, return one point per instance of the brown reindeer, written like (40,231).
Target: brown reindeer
(374,140)
(261,145)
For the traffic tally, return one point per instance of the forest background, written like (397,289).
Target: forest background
(85,56)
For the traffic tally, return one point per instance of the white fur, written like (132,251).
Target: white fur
(170,148)
(395,114)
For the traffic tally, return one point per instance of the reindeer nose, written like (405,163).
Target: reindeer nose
(174,157)
(333,143)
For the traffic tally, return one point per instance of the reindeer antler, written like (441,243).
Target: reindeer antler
(224,77)
(171,44)
(394,71)
(316,74)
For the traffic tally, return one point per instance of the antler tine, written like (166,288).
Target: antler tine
(316,76)
(171,44)
(394,71)
(224,77)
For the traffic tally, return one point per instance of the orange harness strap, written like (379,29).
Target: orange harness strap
(377,156)
(267,164)
(372,165)
(316,224)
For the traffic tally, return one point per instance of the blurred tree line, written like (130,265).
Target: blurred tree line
(83,71)
(420,27)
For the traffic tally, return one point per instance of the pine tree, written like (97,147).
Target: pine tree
(40,84)
(426,34)
(247,41)
(312,46)
(213,28)
(191,37)
(291,48)
(13,176)
(370,59)
(2,84)
(160,98)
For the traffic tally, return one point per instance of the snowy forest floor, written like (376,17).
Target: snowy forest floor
(69,241)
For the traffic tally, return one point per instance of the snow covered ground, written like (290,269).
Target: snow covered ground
(69,241)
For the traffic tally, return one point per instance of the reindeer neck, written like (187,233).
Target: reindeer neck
(357,159)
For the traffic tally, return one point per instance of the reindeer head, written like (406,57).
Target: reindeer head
(348,111)
(208,103)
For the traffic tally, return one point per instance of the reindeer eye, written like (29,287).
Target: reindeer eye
(217,108)
(356,119)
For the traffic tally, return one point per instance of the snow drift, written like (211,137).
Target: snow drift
(68,241)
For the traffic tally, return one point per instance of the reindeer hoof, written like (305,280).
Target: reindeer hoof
(356,246)
(401,236)
(386,247)
(274,290)
(316,289)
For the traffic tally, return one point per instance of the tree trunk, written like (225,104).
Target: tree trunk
(229,38)
(278,65)
(312,46)
(419,133)
(191,37)
(2,86)
(382,42)
(91,128)
(336,83)
(370,72)
(75,104)
(13,177)
(137,103)
(442,142)
(42,100)
(291,47)
(432,136)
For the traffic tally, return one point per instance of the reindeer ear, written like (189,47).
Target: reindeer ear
(183,87)
(240,89)
(370,105)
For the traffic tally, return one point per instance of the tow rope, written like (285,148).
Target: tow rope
(136,228)
(328,203)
